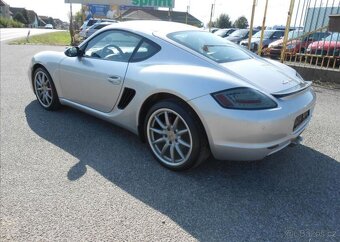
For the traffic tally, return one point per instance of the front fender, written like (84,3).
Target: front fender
(50,61)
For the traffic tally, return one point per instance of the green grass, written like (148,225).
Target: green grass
(10,23)
(55,38)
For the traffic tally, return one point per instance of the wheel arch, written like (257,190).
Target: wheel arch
(50,73)
(153,99)
(34,68)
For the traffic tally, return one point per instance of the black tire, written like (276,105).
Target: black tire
(199,145)
(54,103)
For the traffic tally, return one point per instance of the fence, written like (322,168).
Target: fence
(309,40)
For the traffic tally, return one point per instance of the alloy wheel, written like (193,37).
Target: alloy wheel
(169,137)
(43,89)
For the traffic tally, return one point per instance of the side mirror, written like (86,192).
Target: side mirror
(73,52)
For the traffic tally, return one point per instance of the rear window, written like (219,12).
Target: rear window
(210,45)
(91,22)
(333,37)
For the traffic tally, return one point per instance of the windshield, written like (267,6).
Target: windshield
(333,37)
(221,32)
(240,33)
(294,34)
(267,34)
(210,45)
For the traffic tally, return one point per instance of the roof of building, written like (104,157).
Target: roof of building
(43,17)
(32,16)
(41,22)
(3,3)
(21,11)
(150,14)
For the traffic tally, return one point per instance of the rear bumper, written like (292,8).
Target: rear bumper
(252,135)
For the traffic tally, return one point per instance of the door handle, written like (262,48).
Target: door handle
(115,80)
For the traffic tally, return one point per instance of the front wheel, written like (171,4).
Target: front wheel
(174,136)
(45,90)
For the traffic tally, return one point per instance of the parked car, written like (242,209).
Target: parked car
(48,26)
(330,46)
(241,34)
(269,36)
(94,28)
(297,43)
(213,30)
(88,23)
(186,92)
(224,32)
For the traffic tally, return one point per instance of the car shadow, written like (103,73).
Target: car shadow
(293,194)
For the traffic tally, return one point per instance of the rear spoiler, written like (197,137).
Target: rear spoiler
(298,88)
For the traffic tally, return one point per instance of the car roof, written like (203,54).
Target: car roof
(273,30)
(151,26)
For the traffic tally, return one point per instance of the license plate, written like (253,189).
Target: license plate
(300,119)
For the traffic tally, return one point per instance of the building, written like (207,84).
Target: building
(33,19)
(151,14)
(28,17)
(5,10)
(317,18)
(48,20)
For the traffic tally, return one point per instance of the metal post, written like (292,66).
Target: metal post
(251,23)
(28,36)
(186,16)
(262,30)
(289,19)
(211,15)
(71,25)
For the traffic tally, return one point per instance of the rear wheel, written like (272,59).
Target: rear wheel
(44,90)
(174,137)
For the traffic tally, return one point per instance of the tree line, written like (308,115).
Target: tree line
(224,21)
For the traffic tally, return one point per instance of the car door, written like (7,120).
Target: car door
(95,79)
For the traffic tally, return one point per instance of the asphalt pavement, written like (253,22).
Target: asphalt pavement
(15,33)
(68,176)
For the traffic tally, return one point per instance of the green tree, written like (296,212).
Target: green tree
(78,19)
(241,23)
(223,21)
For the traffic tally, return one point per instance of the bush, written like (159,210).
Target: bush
(10,23)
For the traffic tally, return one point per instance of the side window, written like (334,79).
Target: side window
(99,26)
(145,51)
(112,45)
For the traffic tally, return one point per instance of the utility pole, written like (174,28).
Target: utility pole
(251,24)
(211,15)
(186,16)
(71,25)
(262,30)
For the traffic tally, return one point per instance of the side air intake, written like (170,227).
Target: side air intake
(128,95)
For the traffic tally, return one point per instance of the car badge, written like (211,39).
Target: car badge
(287,81)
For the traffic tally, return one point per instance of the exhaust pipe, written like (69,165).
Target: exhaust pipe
(296,141)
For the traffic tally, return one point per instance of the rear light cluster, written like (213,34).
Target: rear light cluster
(244,98)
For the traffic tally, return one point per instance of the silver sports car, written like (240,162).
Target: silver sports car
(187,93)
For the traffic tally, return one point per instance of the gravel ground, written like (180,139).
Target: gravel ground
(69,176)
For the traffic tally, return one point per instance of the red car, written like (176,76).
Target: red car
(330,46)
(296,44)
